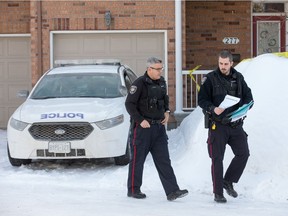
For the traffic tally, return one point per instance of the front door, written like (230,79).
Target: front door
(268,34)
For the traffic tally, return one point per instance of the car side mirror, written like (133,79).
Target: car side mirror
(22,94)
(123,90)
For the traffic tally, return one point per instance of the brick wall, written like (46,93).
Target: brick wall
(207,23)
(14,17)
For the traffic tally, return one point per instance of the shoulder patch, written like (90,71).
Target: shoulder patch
(133,89)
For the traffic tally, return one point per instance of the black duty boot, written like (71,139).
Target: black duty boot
(136,195)
(228,186)
(177,194)
(219,198)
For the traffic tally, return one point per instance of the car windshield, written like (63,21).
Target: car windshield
(100,85)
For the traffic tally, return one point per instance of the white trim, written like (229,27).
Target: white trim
(15,35)
(166,59)
(105,31)
(268,14)
(251,31)
(186,72)
(178,57)
(51,48)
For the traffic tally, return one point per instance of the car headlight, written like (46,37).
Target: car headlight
(18,125)
(108,123)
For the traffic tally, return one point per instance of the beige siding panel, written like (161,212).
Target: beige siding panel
(132,49)
(15,72)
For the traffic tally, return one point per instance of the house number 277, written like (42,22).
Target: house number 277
(231,40)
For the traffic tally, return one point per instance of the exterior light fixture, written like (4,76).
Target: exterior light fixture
(107,18)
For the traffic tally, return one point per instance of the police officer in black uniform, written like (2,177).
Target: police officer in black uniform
(148,106)
(217,84)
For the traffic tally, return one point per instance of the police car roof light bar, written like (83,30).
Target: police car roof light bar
(63,63)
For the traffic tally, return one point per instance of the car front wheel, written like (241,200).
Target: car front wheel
(124,159)
(17,162)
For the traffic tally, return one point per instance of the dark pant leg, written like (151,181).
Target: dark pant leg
(160,153)
(139,140)
(239,146)
(217,140)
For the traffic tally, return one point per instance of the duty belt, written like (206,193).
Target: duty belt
(153,121)
(236,123)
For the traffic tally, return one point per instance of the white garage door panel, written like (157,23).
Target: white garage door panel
(1,48)
(150,44)
(68,46)
(2,93)
(3,116)
(15,73)
(139,65)
(18,71)
(17,47)
(2,72)
(92,45)
(13,89)
(121,43)
(132,49)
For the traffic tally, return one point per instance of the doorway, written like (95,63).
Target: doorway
(268,34)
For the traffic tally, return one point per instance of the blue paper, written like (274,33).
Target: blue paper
(240,112)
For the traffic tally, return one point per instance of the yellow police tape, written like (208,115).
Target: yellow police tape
(280,54)
(193,78)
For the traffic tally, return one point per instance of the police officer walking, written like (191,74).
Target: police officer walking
(148,105)
(225,80)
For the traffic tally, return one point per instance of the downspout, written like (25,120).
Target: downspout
(39,37)
(178,57)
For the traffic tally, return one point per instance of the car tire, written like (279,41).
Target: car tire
(124,159)
(17,162)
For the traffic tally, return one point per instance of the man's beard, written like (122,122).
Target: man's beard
(224,71)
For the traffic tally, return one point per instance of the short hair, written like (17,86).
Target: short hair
(153,60)
(226,54)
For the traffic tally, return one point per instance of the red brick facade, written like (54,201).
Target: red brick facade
(14,17)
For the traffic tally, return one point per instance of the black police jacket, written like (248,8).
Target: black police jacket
(214,89)
(147,99)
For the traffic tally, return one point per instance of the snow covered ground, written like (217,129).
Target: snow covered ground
(86,188)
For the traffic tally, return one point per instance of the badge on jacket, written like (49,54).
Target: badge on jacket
(133,89)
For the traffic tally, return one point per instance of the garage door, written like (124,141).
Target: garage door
(15,73)
(132,49)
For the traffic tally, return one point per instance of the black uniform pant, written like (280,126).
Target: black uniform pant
(236,138)
(153,140)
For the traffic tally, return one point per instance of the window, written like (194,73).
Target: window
(268,7)
(129,77)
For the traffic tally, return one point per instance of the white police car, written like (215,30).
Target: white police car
(74,111)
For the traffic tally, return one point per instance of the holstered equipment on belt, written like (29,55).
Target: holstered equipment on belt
(207,119)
